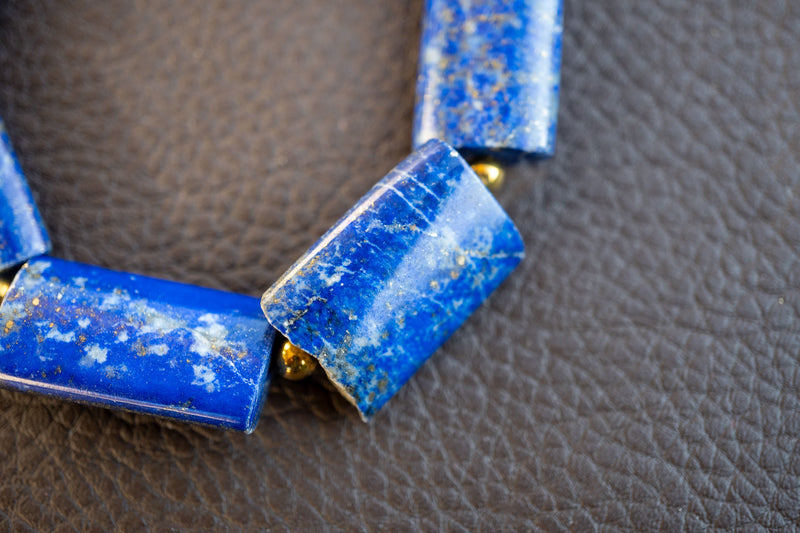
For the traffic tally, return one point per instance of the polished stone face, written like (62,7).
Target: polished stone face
(119,340)
(22,233)
(396,276)
(489,74)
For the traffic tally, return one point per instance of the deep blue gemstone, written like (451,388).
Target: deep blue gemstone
(22,233)
(396,276)
(118,340)
(489,73)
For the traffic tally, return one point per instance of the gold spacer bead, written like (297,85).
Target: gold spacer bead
(294,363)
(4,286)
(491,174)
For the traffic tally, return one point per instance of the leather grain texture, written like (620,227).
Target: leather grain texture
(639,371)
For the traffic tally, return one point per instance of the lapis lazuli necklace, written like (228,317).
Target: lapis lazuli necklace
(368,303)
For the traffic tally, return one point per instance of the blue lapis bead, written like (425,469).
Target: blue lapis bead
(22,232)
(396,276)
(118,340)
(489,74)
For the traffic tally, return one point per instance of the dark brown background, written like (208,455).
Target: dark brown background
(640,369)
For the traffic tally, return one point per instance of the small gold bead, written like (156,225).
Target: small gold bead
(4,286)
(294,363)
(491,174)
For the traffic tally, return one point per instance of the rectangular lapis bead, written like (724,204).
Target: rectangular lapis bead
(119,340)
(22,232)
(396,276)
(489,74)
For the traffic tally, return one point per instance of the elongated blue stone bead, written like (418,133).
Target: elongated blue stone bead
(22,233)
(396,276)
(489,73)
(118,340)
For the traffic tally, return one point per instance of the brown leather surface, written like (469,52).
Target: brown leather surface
(639,371)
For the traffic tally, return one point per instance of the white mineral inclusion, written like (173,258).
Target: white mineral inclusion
(112,301)
(60,337)
(115,371)
(84,322)
(12,310)
(201,345)
(158,349)
(213,328)
(94,354)
(208,336)
(338,272)
(204,376)
(153,320)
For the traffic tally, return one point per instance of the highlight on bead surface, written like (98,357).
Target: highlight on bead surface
(491,174)
(295,363)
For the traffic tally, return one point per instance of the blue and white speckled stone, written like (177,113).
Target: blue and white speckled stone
(113,339)
(396,276)
(22,232)
(489,73)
